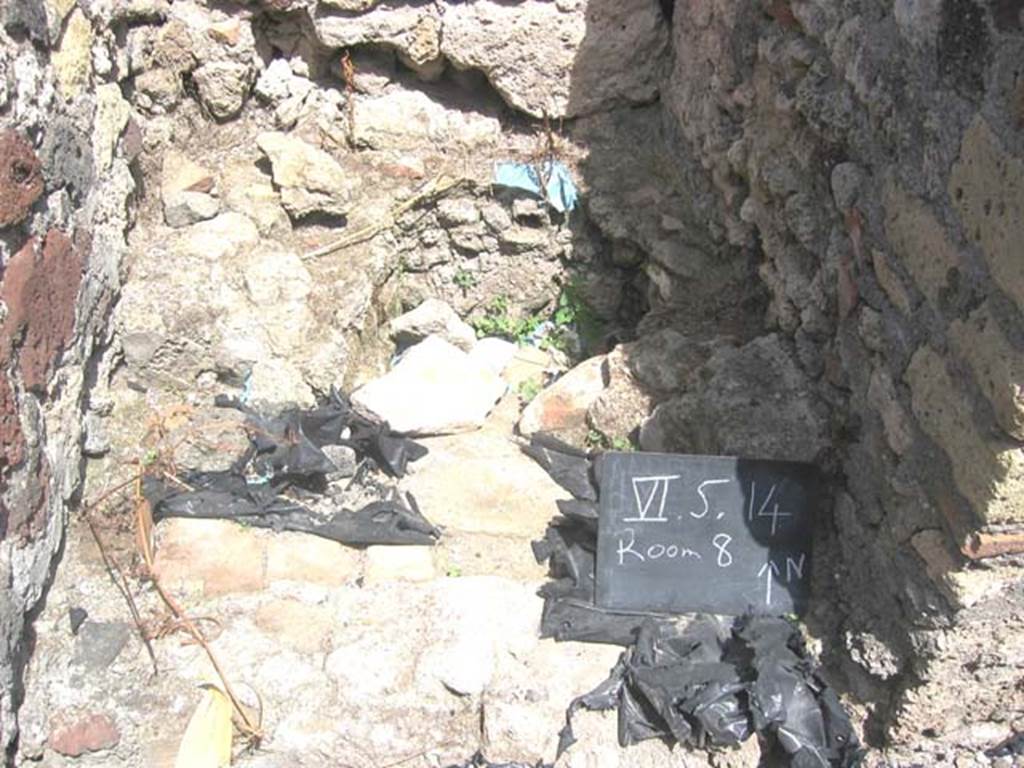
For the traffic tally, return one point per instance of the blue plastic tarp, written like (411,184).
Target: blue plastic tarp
(560,191)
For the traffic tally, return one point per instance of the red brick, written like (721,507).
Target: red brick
(88,733)
(21,178)
(40,290)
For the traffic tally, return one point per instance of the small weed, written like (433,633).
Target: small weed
(623,444)
(453,571)
(498,322)
(597,439)
(572,328)
(574,313)
(464,279)
(528,389)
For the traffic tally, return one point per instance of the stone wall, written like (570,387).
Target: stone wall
(64,190)
(873,154)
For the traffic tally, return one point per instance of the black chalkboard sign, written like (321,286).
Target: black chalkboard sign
(723,535)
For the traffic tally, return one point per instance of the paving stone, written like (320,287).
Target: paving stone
(399,564)
(297,626)
(214,557)
(310,559)
(481,554)
(481,482)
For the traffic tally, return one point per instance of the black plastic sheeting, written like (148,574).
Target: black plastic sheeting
(712,685)
(569,547)
(713,682)
(280,479)
(479,761)
(1014,746)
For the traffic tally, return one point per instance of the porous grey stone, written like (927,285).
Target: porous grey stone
(432,318)
(99,643)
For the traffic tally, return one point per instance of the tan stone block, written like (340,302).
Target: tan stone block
(297,626)
(220,557)
(399,564)
(479,554)
(112,113)
(988,472)
(986,186)
(72,61)
(882,397)
(561,408)
(920,242)
(998,367)
(310,559)
(481,482)
(890,281)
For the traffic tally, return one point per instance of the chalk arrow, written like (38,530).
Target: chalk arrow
(767,570)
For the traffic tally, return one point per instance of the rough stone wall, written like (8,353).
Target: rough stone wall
(64,190)
(873,153)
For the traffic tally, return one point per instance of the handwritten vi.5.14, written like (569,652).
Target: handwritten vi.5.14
(704,533)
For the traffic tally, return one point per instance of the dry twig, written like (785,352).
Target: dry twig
(348,74)
(161,465)
(436,188)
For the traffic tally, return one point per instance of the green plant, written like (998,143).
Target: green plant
(574,312)
(464,279)
(528,389)
(496,321)
(623,444)
(596,439)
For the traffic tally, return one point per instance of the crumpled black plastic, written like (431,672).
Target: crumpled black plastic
(291,442)
(1012,746)
(479,761)
(569,546)
(712,685)
(285,464)
(568,466)
(713,682)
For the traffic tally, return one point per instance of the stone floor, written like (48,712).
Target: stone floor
(417,656)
